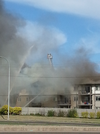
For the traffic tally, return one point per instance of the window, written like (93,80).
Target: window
(97,107)
(97,88)
(97,98)
(87,89)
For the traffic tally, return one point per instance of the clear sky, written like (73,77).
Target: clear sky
(74,23)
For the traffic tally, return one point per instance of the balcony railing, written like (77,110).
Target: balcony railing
(85,103)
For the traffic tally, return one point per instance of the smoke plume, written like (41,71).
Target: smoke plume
(48,81)
(17,39)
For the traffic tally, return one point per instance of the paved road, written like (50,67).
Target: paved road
(51,133)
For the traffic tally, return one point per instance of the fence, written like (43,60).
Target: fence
(30,110)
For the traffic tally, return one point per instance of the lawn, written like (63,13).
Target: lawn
(49,119)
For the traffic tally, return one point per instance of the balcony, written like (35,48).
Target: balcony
(84,92)
(85,103)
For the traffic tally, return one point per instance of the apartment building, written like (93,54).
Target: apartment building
(83,96)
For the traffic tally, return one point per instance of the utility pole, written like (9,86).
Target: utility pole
(8,82)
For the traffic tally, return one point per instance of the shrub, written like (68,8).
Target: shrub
(98,115)
(61,113)
(17,110)
(72,113)
(50,113)
(92,115)
(31,114)
(84,114)
(4,110)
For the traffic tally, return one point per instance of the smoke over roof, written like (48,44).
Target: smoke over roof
(77,69)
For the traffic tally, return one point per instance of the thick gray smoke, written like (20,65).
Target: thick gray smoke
(48,81)
(12,47)
(17,39)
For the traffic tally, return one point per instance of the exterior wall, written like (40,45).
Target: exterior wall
(21,101)
(96,104)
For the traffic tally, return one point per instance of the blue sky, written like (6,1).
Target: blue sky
(74,23)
